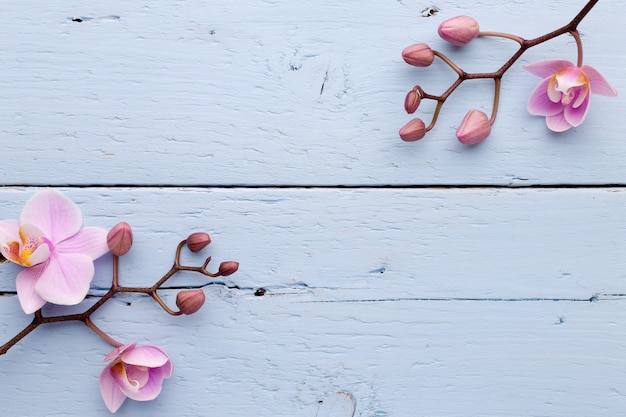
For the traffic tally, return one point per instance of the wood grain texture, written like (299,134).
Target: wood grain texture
(387,243)
(280,356)
(422,279)
(417,302)
(293,92)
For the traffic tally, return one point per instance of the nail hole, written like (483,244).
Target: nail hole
(430,11)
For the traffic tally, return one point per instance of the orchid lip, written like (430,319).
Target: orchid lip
(32,249)
(564,95)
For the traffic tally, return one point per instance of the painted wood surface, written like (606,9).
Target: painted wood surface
(487,302)
(286,92)
(398,279)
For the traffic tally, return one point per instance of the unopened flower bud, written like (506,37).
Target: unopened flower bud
(412,101)
(412,131)
(198,241)
(474,128)
(190,301)
(228,268)
(458,30)
(120,239)
(419,55)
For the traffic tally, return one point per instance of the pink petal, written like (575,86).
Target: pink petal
(111,393)
(66,278)
(570,78)
(576,115)
(164,371)
(128,386)
(25,284)
(599,85)
(582,95)
(118,350)
(53,213)
(151,389)
(553,93)
(167,369)
(150,356)
(39,255)
(137,375)
(557,123)
(547,68)
(9,230)
(540,104)
(91,241)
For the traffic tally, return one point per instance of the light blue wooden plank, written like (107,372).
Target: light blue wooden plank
(279,356)
(461,319)
(377,243)
(191,94)
(427,302)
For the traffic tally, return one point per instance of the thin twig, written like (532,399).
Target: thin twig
(571,27)
(85,316)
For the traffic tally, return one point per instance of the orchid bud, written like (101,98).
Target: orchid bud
(412,131)
(227,268)
(474,128)
(198,241)
(458,30)
(190,301)
(120,239)
(419,55)
(412,101)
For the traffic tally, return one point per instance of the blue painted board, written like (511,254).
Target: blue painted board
(417,279)
(287,92)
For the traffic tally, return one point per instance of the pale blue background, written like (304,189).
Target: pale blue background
(425,279)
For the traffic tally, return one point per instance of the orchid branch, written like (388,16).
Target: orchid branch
(459,31)
(188,301)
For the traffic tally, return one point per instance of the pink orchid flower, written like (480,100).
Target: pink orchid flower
(564,95)
(56,252)
(135,372)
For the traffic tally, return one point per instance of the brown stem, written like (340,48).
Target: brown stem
(496,100)
(102,334)
(115,280)
(163,305)
(448,61)
(440,100)
(579,47)
(527,44)
(435,116)
(85,316)
(32,326)
(503,35)
(571,27)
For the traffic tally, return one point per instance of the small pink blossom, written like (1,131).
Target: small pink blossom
(57,253)
(474,128)
(419,55)
(198,241)
(190,301)
(412,101)
(459,30)
(228,268)
(134,372)
(564,95)
(120,239)
(413,130)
